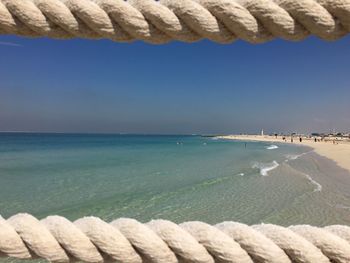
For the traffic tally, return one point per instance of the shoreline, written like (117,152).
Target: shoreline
(339,153)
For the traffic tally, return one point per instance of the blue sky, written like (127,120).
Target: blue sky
(101,86)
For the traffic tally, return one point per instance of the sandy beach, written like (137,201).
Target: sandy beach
(340,152)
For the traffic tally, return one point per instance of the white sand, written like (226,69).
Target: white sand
(340,153)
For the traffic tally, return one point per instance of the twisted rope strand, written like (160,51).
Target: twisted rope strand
(222,21)
(90,239)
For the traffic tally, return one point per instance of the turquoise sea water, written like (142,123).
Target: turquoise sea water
(179,178)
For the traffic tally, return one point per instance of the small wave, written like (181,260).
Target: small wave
(292,156)
(241,174)
(265,168)
(272,147)
(295,156)
(318,186)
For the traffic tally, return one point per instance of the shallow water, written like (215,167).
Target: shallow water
(179,178)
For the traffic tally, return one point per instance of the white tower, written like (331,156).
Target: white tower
(262,132)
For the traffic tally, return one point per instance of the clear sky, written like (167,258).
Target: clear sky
(102,86)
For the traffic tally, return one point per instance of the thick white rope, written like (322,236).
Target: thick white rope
(161,21)
(90,239)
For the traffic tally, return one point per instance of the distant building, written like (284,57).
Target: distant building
(262,132)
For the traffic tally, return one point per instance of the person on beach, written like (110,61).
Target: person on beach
(300,139)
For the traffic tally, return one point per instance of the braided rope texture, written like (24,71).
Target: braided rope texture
(222,21)
(90,239)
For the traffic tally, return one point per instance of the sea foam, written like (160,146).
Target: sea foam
(295,156)
(265,168)
(318,186)
(272,147)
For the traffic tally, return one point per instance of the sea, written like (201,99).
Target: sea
(178,178)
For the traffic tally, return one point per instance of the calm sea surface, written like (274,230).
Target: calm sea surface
(179,178)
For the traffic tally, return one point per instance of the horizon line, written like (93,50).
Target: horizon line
(109,133)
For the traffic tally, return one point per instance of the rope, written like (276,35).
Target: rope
(161,21)
(90,239)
